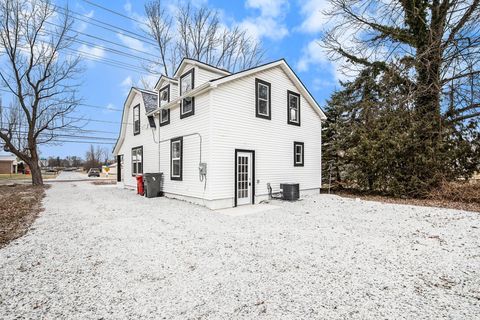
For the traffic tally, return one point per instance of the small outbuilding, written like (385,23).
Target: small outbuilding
(8,163)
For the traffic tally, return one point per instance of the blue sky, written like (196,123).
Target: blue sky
(287,29)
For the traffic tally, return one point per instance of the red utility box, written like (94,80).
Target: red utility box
(140,190)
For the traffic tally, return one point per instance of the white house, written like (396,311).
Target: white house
(219,138)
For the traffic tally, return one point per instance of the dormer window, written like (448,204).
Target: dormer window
(136,119)
(164,96)
(293,108)
(187,107)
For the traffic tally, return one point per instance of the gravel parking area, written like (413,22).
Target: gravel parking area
(98,252)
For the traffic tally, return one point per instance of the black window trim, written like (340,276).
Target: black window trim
(295,144)
(167,87)
(192,71)
(164,123)
(135,132)
(172,141)
(190,113)
(268,84)
(141,149)
(289,121)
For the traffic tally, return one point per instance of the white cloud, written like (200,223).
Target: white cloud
(131,42)
(110,108)
(258,28)
(128,7)
(82,26)
(268,8)
(270,23)
(126,84)
(314,17)
(314,56)
(91,52)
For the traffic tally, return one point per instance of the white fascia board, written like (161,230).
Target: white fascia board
(165,79)
(121,137)
(204,87)
(200,65)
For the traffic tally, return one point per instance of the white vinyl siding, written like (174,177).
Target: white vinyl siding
(150,159)
(190,129)
(225,120)
(236,127)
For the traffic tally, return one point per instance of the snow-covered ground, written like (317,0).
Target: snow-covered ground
(99,252)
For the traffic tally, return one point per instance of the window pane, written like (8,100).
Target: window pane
(186,106)
(262,107)
(140,167)
(262,91)
(176,167)
(164,115)
(293,115)
(164,95)
(293,101)
(186,83)
(176,150)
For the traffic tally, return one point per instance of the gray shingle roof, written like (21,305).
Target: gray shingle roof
(149,100)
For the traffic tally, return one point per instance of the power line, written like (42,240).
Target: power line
(111,62)
(107,26)
(54,135)
(81,104)
(87,120)
(114,12)
(105,40)
(108,49)
(87,142)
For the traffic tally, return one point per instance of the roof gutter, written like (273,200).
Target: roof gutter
(199,90)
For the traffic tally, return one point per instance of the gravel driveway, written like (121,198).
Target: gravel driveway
(98,252)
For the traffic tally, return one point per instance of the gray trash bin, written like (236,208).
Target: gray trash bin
(153,184)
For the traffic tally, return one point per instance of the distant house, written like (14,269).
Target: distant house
(220,138)
(8,163)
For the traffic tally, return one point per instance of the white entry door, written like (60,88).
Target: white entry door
(244,178)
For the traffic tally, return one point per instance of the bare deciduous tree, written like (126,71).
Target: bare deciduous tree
(437,41)
(198,34)
(93,157)
(39,75)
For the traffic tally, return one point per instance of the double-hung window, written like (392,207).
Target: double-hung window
(263,99)
(298,154)
(136,119)
(187,107)
(137,160)
(293,108)
(164,95)
(176,158)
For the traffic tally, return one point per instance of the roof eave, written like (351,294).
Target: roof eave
(199,90)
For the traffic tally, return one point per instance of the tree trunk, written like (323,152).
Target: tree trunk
(36,172)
